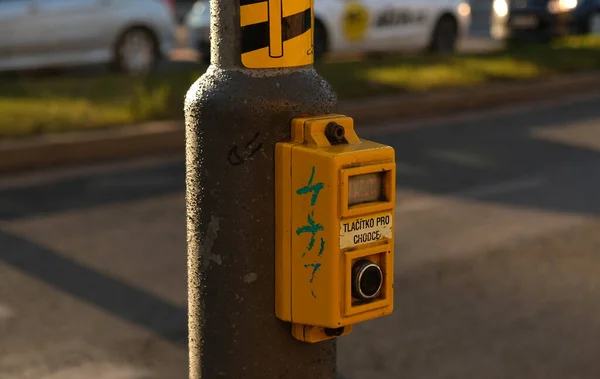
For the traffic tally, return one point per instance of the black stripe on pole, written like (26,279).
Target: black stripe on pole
(249,2)
(256,36)
(296,24)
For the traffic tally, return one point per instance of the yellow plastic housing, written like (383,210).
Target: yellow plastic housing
(316,244)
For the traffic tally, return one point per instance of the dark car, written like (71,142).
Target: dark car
(541,20)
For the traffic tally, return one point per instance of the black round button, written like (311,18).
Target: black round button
(367,279)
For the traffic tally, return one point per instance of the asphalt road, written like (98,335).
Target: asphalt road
(497,258)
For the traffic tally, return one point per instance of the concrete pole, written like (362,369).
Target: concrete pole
(234,117)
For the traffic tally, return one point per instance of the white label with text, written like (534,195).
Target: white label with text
(362,230)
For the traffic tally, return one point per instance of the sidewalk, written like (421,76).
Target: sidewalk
(479,45)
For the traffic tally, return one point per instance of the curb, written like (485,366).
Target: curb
(92,146)
(451,101)
(169,137)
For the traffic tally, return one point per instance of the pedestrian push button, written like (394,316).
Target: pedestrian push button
(334,202)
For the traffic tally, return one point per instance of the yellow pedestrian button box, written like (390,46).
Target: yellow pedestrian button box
(335,198)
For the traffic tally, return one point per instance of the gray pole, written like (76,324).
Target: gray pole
(234,117)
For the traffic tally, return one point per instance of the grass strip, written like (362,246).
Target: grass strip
(48,104)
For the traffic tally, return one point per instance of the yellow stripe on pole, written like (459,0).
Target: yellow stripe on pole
(293,7)
(275,35)
(254,13)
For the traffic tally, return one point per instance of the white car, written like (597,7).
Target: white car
(130,35)
(366,25)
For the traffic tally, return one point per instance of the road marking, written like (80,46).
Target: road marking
(45,370)
(70,172)
(100,371)
(69,359)
(580,134)
(479,192)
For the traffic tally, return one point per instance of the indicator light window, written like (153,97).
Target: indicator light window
(366,188)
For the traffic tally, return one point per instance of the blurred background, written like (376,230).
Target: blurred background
(497,260)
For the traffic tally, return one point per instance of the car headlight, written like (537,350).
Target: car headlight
(200,7)
(464,9)
(199,15)
(501,8)
(559,6)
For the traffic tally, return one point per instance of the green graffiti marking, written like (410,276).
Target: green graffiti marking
(315,189)
(315,267)
(312,227)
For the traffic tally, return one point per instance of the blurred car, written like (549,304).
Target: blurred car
(130,35)
(365,25)
(596,20)
(541,20)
